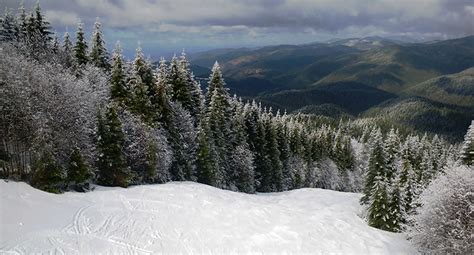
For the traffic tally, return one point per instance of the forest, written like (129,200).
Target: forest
(72,114)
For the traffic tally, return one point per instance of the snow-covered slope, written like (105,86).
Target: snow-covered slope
(187,218)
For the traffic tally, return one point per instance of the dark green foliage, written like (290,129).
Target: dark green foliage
(376,167)
(98,55)
(48,175)
(205,162)
(118,89)
(112,164)
(80,49)
(8,27)
(78,173)
(378,216)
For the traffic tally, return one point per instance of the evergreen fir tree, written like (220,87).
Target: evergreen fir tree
(205,162)
(98,55)
(67,49)
(142,67)
(467,150)
(397,205)
(22,21)
(378,213)
(78,173)
(139,84)
(9,28)
(80,49)
(194,88)
(177,80)
(391,148)
(376,167)
(118,90)
(161,101)
(182,138)
(48,174)
(219,118)
(42,27)
(113,170)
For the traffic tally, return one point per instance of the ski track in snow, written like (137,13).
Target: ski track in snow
(187,218)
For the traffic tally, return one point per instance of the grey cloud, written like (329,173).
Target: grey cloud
(218,22)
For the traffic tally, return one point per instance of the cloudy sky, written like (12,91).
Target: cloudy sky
(164,26)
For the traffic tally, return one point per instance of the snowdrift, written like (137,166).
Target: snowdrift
(185,217)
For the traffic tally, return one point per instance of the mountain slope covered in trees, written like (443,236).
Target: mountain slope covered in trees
(438,71)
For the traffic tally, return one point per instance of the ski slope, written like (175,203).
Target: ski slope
(187,218)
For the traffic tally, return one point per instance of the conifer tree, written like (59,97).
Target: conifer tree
(396,206)
(241,158)
(467,150)
(80,49)
(118,90)
(161,101)
(378,213)
(391,148)
(113,170)
(67,49)
(194,88)
(42,27)
(142,68)
(376,167)
(48,174)
(9,27)
(177,80)
(219,117)
(271,174)
(22,21)
(98,55)
(139,84)
(205,162)
(78,173)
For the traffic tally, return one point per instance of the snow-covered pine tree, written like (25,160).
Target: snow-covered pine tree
(197,100)
(140,90)
(80,49)
(284,148)
(408,182)
(272,176)
(206,167)
(177,80)
(467,149)
(378,211)
(42,27)
(376,166)
(67,51)
(396,205)
(391,148)
(98,54)
(241,158)
(219,119)
(118,89)
(161,101)
(78,173)
(113,170)
(9,28)
(22,21)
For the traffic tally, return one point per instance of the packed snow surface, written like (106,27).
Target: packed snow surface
(187,218)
